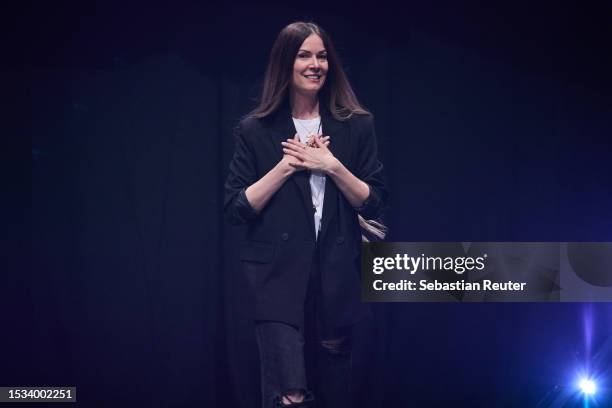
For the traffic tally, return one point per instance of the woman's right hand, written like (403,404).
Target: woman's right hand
(287,159)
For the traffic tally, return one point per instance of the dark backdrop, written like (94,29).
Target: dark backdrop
(494,124)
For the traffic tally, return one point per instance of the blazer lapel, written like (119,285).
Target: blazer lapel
(284,129)
(338,133)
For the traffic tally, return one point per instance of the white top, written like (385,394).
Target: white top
(304,128)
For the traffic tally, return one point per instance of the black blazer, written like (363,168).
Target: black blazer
(280,245)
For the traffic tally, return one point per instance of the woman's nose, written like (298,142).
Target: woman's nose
(315,61)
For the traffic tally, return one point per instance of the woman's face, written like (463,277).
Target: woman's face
(310,67)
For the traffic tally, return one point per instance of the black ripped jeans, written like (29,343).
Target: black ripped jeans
(315,360)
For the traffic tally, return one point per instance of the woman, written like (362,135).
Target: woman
(304,169)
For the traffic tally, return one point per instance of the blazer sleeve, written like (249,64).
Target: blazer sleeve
(371,171)
(242,173)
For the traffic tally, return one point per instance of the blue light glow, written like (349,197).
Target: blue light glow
(588,386)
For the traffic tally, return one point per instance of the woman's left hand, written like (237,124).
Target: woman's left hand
(317,158)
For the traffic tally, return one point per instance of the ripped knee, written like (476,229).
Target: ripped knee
(294,398)
(338,347)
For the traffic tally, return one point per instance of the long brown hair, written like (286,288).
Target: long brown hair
(336,93)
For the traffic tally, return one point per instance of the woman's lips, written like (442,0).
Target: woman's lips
(313,78)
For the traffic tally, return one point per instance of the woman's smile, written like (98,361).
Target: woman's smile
(313,77)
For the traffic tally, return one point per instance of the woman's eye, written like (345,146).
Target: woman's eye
(322,56)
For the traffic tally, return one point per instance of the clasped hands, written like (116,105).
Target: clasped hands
(314,155)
